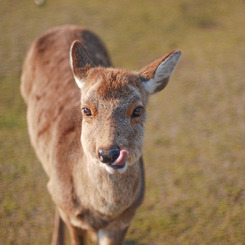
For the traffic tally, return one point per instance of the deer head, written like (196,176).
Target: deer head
(113,107)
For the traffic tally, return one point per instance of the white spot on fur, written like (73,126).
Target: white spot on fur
(102,237)
(113,170)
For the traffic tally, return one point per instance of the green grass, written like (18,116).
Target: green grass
(195,132)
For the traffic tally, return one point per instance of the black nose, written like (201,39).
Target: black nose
(109,156)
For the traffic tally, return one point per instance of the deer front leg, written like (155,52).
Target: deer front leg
(78,236)
(111,237)
(59,228)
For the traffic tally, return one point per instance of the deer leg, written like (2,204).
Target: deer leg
(78,236)
(112,237)
(93,236)
(59,228)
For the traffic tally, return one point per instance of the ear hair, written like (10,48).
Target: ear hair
(80,62)
(156,75)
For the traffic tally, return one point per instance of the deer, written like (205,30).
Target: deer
(86,124)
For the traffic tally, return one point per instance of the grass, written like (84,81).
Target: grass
(195,132)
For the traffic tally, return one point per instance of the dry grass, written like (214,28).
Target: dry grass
(195,133)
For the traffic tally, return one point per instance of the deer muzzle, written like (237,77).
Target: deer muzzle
(113,157)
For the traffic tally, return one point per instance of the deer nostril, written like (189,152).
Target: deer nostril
(109,156)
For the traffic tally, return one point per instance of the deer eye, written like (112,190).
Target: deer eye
(87,112)
(137,112)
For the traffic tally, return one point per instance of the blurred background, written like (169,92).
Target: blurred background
(195,131)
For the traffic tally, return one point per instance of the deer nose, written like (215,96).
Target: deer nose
(109,156)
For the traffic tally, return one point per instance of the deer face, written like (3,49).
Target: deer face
(113,113)
(113,105)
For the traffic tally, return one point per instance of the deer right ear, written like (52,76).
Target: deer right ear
(80,62)
(155,76)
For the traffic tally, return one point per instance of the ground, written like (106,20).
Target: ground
(195,131)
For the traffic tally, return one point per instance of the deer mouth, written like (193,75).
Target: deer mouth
(120,162)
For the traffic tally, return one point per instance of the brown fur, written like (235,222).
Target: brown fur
(88,197)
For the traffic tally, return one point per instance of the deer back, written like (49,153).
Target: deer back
(52,97)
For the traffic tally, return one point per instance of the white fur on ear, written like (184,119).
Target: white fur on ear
(150,86)
(78,81)
(70,56)
(76,54)
(162,73)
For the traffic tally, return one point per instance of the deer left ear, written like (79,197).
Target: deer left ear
(80,62)
(156,75)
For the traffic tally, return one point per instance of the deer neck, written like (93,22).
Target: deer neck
(106,193)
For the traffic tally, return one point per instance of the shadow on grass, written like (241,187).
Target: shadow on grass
(131,242)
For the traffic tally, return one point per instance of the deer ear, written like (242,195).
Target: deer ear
(156,75)
(80,62)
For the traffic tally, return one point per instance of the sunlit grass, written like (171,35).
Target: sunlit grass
(195,130)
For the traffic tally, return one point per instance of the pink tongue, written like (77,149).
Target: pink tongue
(121,159)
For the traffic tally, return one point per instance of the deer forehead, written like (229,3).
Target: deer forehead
(114,107)
(113,87)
